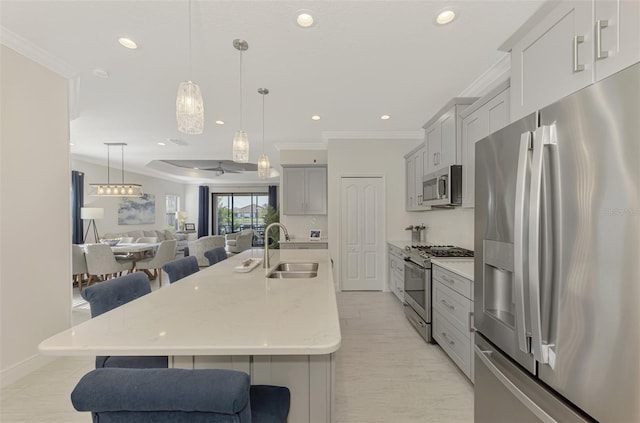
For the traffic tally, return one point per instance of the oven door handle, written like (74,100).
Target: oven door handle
(413,264)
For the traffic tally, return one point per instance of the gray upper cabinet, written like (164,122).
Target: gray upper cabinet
(569,47)
(485,116)
(304,190)
(443,136)
(414,166)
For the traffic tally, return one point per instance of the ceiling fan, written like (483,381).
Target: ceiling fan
(223,166)
(219,171)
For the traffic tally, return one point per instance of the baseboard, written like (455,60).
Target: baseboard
(23,368)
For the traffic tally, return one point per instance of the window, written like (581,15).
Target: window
(235,212)
(172,205)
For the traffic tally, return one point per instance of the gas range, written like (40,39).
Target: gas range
(422,254)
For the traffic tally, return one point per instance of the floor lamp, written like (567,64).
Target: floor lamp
(91,214)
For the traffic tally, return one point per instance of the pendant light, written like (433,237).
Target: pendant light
(264,167)
(189,104)
(115,189)
(240,139)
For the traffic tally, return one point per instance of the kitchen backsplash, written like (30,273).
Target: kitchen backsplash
(300,226)
(447,227)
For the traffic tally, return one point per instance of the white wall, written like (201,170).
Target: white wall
(369,158)
(159,187)
(35,227)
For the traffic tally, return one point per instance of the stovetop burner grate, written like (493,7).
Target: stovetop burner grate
(441,251)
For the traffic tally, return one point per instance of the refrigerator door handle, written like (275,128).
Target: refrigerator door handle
(543,136)
(519,240)
(486,359)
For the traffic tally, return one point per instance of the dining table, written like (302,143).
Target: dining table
(138,250)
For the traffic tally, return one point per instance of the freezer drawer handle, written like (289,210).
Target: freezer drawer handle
(485,357)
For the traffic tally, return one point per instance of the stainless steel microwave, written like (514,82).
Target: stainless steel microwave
(443,188)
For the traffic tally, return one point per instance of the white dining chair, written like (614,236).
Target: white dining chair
(78,264)
(102,262)
(166,253)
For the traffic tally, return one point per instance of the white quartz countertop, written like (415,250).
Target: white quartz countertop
(461,266)
(218,311)
(304,241)
(399,244)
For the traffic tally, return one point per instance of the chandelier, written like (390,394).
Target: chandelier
(114,189)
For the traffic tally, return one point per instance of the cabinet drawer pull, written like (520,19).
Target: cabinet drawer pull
(450,341)
(451,281)
(600,25)
(449,306)
(578,39)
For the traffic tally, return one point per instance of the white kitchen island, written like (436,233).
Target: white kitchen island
(280,331)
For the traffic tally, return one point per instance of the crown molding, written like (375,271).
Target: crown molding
(495,75)
(372,135)
(301,146)
(35,53)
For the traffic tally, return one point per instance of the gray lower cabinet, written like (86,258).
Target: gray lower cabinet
(396,271)
(453,317)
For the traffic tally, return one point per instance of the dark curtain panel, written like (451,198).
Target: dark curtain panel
(273,196)
(203,211)
(77,201)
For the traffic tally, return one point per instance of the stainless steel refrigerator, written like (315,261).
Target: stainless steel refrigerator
(557,268)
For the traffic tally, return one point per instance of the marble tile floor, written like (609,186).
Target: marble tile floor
(384,372)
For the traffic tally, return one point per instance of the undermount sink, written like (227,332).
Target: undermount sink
(293,275)
(296,267)
(294,270)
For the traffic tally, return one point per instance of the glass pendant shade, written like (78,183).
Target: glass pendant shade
(240,147)
(264,167)
(190,109)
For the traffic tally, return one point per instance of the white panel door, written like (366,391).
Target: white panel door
(361,234)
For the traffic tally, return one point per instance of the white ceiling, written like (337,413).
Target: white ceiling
(362,59)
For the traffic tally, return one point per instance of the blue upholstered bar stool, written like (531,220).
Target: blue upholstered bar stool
(178,396)
(180,268)
(113,293)
(215,255)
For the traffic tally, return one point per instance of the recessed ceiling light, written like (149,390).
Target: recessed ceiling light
(315,117)
(125,42)
(71,144)
(445,16)
(385,117)
(161,143)
(304,19)
(220,122)
(196,168)
(100,73)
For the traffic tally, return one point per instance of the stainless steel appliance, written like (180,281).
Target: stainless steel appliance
(557,268)
(443,188)
(417,283)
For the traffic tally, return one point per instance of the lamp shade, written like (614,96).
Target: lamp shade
(181,215)
(89,213)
